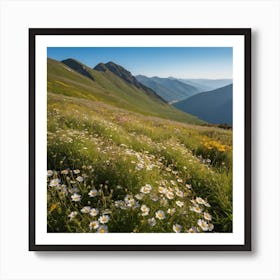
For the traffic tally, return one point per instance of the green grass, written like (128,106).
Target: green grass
(118,151)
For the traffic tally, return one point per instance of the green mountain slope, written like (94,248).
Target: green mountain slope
(110,85)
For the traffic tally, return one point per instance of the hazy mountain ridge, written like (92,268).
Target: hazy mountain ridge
(207,84)
(212,106)
(170,89)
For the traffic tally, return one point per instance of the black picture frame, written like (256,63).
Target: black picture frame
(246,32)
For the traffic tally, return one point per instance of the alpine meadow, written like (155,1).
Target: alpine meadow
(121,158)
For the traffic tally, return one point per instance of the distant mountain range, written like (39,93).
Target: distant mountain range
(112,84)
(209,100)
(212,106)
(207,84)
(170,89)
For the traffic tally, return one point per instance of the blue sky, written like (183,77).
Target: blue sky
(179,62)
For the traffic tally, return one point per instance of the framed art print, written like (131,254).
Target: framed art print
(140,139)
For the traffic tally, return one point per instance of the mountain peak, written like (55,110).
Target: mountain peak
(119,71)
(113,64)
(78,67)
(116,69)
(126,76)
(100,67)
(71,60)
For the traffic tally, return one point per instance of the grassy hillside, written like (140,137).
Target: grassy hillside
(118,167)
(108,87)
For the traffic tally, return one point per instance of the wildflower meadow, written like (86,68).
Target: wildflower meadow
(115,170)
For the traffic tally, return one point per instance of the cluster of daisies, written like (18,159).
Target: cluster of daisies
(164,195)
(97,223)
(153,205)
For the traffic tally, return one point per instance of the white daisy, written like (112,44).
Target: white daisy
(102,229)
(139,196)
(171,211)
(199,200)
(162,190)
(139,166)
(196,209)
(192,230)
(152,222)
(211,227)
(72,215)
(128,197)
(207,204)
(80,179)
(177,228)
(55,182)
(104,219)
(207,216)
(145,210)
(179,193)
(76,171)
(94,225)
(64,172)
(130,202)
(160,215)
(203,224)
(49,173)
(170,195)
(94,212)
(85,210)
(180,203)
(93,193)
(146,189)
(75,197)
